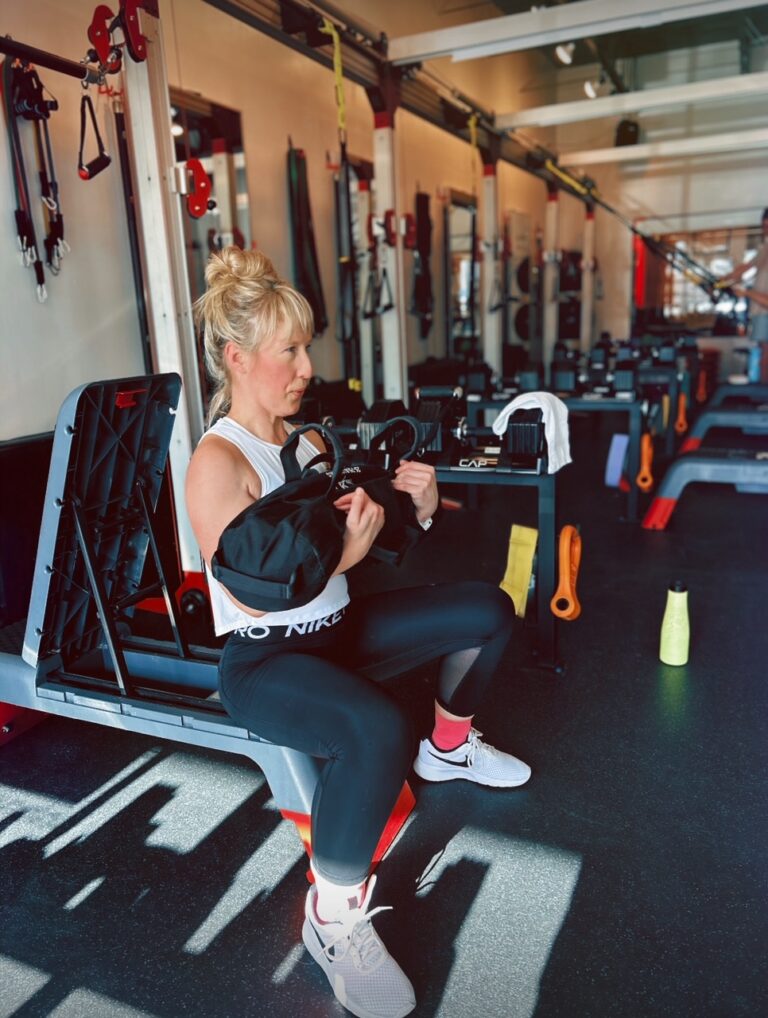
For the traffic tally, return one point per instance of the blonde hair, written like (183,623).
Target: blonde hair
(245,302)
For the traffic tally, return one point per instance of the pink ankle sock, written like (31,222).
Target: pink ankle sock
(333,900)
(448,734)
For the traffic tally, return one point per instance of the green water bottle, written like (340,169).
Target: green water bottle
(675,630)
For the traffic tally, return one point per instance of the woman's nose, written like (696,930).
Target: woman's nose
(305,365)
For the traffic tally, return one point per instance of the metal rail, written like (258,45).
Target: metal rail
(30,54)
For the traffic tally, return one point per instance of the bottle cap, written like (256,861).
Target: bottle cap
(678,587)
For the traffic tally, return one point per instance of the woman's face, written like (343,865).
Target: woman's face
(278,371)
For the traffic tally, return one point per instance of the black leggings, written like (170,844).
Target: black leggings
(320,693)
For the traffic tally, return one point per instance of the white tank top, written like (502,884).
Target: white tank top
(264,457)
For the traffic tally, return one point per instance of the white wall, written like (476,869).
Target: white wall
(88,328)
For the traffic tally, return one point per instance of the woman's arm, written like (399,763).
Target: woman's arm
(220,484)
(419,481)
(365,518)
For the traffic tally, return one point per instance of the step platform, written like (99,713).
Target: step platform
(83,656)
(747,420)
(755,392)
(744,468)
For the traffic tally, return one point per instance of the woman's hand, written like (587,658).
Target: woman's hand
(365,518)
(418,480)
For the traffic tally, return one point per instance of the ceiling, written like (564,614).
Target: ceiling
(747,26)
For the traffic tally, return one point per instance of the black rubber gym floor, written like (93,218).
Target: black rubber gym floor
(627,879)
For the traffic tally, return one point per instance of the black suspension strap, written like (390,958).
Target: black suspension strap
(38,110)
(497,299)
(422,300)
(378,297)
(306,268)
(348,325)
(470,331)
(386,299)
(371,297)
(25,227)
(87,171)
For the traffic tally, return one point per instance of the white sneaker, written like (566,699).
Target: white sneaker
(364,976)
(473,760)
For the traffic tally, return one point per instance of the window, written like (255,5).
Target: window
(718,252)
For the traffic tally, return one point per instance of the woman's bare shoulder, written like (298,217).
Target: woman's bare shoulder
(220,483)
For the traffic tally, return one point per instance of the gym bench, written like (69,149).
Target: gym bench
(747,420)
(746,469)
(755,392)
(81,656)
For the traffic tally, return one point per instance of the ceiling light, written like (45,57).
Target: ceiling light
(593,88)
(564,52)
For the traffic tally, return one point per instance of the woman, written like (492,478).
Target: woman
(320,688)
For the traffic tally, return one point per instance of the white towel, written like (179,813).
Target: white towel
(555,416)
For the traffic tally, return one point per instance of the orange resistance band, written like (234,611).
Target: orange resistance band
(565,604)
(681,424)
(644,479)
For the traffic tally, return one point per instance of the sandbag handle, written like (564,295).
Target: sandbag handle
(291,466)
(380,437)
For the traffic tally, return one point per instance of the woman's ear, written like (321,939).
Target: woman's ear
(235,358)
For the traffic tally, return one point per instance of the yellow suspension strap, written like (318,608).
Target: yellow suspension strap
(338,79)
(348,330)
(472,124)
(569,179)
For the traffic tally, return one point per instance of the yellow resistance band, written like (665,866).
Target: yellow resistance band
(517,578)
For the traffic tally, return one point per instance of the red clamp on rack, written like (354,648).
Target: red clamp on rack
(99,32)
(197,199)
(129,19)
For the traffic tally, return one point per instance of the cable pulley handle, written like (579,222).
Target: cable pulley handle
(87,171)
(385,290)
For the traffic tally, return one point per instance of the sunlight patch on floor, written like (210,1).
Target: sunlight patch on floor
(261,873)
(19,983)
(82,1003)
(512,924)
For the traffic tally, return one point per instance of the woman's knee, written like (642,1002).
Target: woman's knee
(491,607)
(380,729)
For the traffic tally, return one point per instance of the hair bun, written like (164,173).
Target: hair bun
(233,264)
